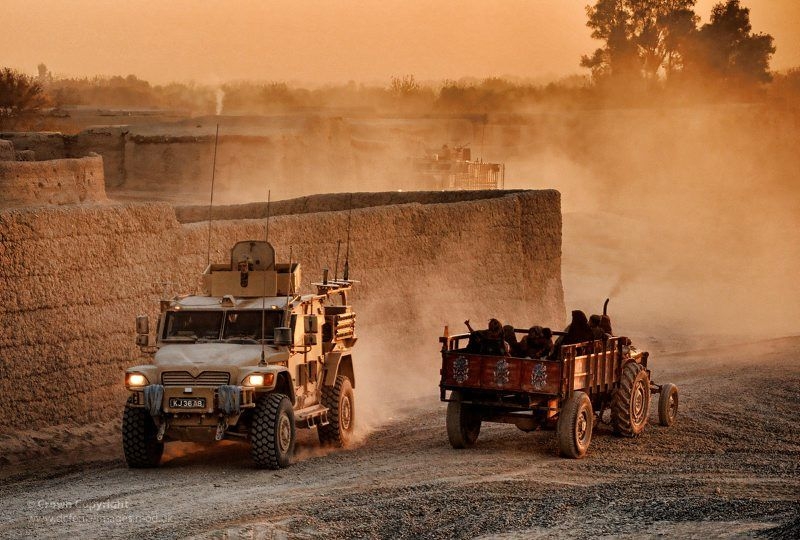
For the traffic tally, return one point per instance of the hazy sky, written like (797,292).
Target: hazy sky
(322,40)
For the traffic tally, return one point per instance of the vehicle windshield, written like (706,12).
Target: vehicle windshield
(247,324)
(221,325)
(193,325)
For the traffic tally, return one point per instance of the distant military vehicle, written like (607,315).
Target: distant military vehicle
(568,391)
(453,169)
(250,359)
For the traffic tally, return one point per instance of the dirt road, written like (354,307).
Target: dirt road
(729,468)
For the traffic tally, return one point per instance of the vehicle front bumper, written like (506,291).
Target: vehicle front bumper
(223,400)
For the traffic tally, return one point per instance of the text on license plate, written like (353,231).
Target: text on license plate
(187,403)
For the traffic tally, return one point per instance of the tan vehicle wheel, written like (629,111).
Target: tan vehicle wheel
(463,423)
(668,404)
(339,401)
(272,432)
(139,443)
(574,429)
(631,402)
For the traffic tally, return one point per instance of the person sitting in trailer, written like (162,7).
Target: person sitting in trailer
(489,341)
(594,324)
(538,343)
(492,341)
(577,331)
(516,348)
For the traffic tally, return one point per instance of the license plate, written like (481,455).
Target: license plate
(187,403)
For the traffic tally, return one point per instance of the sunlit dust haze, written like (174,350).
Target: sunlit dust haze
(316,42)
(688,218)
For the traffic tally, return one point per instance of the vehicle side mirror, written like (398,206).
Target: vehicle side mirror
(282,336)
(142,325)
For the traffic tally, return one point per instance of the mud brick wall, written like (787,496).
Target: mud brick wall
(184,163)
(55,181)
(75,278)
(45,145)
(109,142)
(72,278)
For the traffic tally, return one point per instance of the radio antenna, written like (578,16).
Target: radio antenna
(347,253)
(264,291)
(338,248)
(211,202)
(289,285)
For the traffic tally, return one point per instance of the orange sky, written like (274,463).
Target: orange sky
(316,41)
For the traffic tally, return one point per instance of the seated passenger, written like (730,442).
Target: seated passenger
(492,341)
(538,343)
(515,348)
(474,344)
(594,324)
(578,330)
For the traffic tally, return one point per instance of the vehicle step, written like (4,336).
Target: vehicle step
(316,415)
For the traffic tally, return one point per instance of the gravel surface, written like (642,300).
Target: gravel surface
(727,469)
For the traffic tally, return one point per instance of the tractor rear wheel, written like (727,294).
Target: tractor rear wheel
(574,429)
(668,404)
(463,423)
(630,404)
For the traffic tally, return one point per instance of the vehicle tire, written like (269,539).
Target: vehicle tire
(574,428)
(630,404)
(139,443)
(341,408)
(668,404)
(463,423)
(272,432)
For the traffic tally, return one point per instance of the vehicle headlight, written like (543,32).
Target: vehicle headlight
(255,380)
(135,379)
(259,379)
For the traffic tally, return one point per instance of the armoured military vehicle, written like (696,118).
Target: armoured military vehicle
(569,391)
(250,359)
(454,169)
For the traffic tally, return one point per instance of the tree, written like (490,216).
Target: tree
(19,93)
(44,76)
(726,48)
(610,21)
(641,37)
(402,87)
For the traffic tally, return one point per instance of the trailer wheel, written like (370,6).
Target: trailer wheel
(630,404)
(668,404)
(463,423)
(574,429)
(339,400)
(272,432)
(139,442)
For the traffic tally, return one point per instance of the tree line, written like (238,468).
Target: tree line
(652,51)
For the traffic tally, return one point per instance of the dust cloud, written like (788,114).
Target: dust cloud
(687,218)
(685,212)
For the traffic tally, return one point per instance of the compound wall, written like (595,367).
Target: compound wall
(55,181)
(74,278)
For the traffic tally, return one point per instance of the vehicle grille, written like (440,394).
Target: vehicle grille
(184,378)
